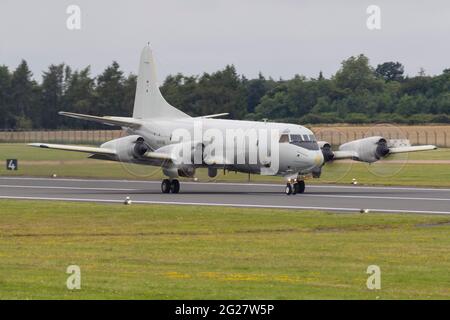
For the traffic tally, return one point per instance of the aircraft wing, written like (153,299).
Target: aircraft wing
(159,156)
(100,153)
(111,121)
(370,149)
(339,155)
(412,149)
(93,150)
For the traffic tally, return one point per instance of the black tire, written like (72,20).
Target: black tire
(288,189)
(295,188)
(175,186)
(300,186)
(165,186)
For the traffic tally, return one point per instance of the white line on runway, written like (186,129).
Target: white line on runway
(280,185)
(373,197)
(67,188)
(229,205)
(303,195)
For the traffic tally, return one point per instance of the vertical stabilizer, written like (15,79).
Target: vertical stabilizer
(149,102)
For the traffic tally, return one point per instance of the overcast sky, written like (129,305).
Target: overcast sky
(279,38)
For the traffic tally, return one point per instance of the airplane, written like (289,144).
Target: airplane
(287,150)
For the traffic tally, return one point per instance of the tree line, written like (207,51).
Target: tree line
(356,93)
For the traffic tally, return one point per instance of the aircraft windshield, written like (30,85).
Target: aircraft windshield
(307,141)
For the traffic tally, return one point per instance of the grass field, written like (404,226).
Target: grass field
(41,162)
(163,252)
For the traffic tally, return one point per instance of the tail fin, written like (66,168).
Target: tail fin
(149,102)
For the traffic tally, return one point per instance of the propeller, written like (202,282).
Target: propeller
(387,135)
(336,170)
(140,147)
(382,149)
(328,154)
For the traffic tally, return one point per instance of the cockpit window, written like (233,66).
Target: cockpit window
(304,137)
(284,138)
(296,138)
(305,141)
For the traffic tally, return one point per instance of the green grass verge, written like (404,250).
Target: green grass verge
(175,252)
(41,162)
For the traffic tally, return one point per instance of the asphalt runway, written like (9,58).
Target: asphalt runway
(336,198)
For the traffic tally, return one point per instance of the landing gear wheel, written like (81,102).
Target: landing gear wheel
(294,188)
(300,186)
(165,186)
(175,186)
(288,189)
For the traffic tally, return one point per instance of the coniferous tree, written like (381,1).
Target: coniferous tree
(109,92)
(52,90)
(5,99)
(22,94)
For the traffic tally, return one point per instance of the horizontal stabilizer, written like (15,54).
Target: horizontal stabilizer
(111,121)
(217,115)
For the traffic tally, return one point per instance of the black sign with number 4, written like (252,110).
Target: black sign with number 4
(12,164)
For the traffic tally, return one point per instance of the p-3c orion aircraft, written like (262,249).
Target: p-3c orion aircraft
(150,140)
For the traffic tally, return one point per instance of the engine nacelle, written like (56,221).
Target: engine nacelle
(184,171)
(368,149)
(129,148)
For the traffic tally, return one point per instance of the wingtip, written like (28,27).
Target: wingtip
(38,145)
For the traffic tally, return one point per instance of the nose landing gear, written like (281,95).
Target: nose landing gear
(170,186)
(295,187)
(288,189)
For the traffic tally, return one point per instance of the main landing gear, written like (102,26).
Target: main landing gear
(170,186)
(295,187)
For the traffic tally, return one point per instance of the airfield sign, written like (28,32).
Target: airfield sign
(12,164)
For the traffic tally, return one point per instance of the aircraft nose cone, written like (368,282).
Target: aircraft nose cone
(309,160)
(317,158)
